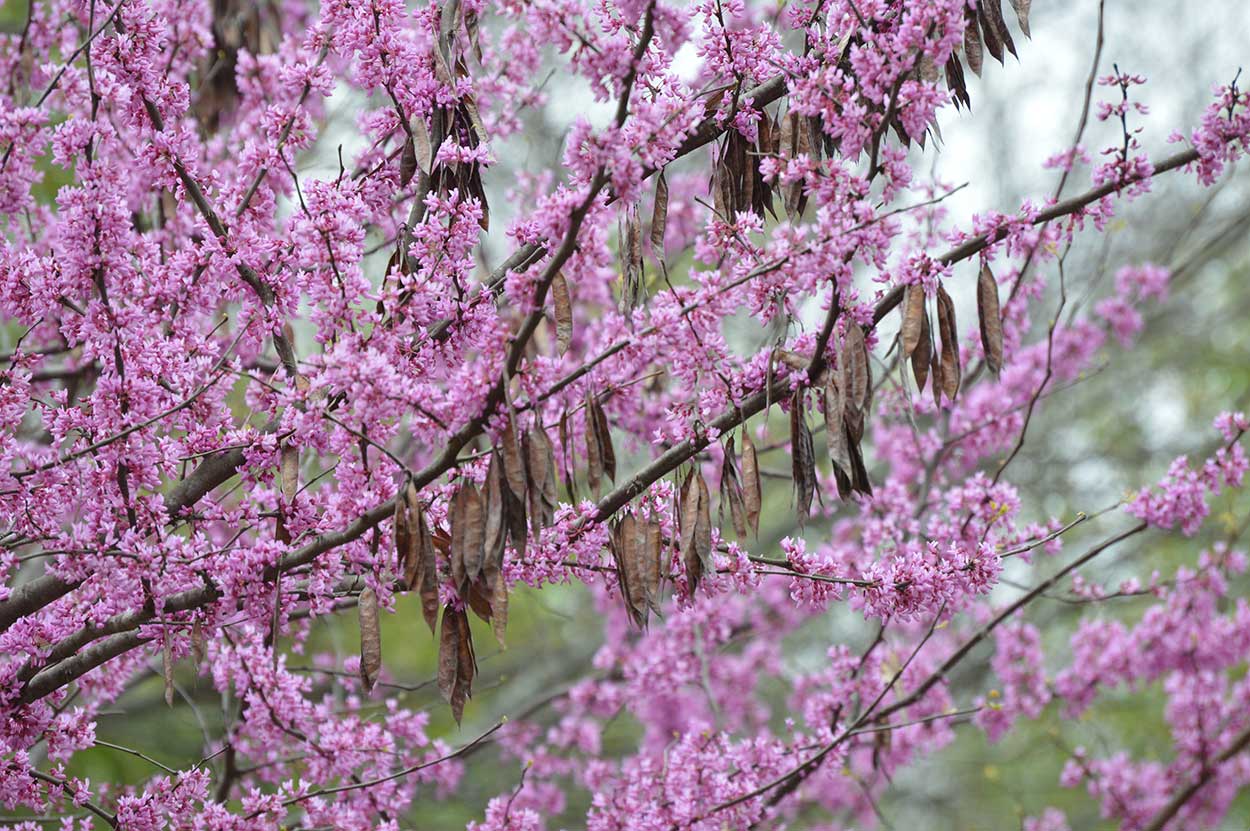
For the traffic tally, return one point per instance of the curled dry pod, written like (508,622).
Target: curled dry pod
(785,133)
(471,28)
(566,455)
(426,557)
(513,460)
(989,32)
(423,152)
(659,217)
(563,309)
(993,15)
(600,455)
(404,549)
(488,594)
(950,344)
(499,611)
(288,469)
(474,533)
(456,662)
(752,493)
(198,647)
(802,458)
(455,519)
(541,468)
(855,356)
(763,187)
(653,563)
(496,531)
(1022,14)
(913,319)
(990,317)
(923,353)
(794,360)
(795,141)
(835,431)
(703,526)
(627,551)
(633,236)
(167,666)
(972,41)
(407,162)
(514,518)
(479,600)
(816,136)
(957,83)
(687,515)
(696,529)
(594,452)
(935,371)
(632,250)
(731,491)
(370,638)
(448,654)
(744,173)
(713,103)
(604,432)
(859,473)
(854,382)
(468,536)
(722,191)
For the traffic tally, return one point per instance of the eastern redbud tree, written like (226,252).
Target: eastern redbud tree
(237,399)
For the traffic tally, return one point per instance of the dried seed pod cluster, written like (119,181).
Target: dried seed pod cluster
(517,499)
(985,29)
(941,360)
(848,399)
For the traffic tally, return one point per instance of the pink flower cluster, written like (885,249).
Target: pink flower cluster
(1180,498)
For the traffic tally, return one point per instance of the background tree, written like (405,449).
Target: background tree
(245,399)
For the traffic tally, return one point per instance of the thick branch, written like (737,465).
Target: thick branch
(1170,810)
(978,244)
(1041,588)
(29,598)
(55,677)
